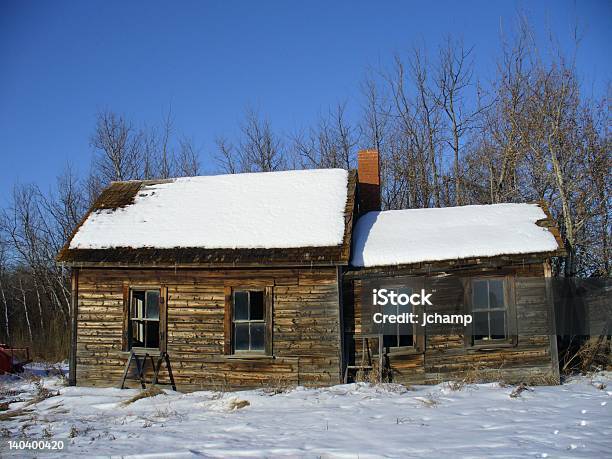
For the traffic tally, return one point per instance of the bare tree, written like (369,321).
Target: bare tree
(227,156)
(329,144)
(118,148)
(188,163)
(454,78)
(166,157)
(24,302)
(429,118)
(3,263)
(259,148)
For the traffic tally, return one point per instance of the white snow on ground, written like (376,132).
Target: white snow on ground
(354,420)
(259,210)
(396,237)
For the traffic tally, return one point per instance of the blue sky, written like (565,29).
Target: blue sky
(61,62)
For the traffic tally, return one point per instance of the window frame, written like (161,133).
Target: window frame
(229,322)
(405,348)
(418,332)
(249,321)
(508,288)
(128,294)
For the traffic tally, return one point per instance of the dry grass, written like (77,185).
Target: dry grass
(6,415)
(237,404)
(216,384)
(599,385)
(473,375)
(518,390)
(278,385)
(456,385)
(429,401)
(42,393)
(477,374)
(374,375)
(152,391)
(592,355)
(548,379)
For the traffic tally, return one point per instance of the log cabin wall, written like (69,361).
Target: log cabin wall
(306,326)
(533,358)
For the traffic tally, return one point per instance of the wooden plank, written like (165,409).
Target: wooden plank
(126,316)
(269,302)
(163,319)
(227,322)
(72,375)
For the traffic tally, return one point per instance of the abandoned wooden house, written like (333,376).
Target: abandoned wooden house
(256,279)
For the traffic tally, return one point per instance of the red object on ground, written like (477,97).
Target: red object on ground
(12,359)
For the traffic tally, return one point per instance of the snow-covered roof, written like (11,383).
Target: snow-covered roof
(396,237)
(241,211)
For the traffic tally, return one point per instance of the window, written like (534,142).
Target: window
(398,335)
(490,311)
(249,321)
(144,330)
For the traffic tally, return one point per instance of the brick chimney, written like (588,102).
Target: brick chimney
(368,171)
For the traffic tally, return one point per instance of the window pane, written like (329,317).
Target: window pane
(257,306)
(257,337)
(389,328)
(152,336)
(152,304)
(241,305)
(138,301)
(498,324)
(241,337)
(390,341)
(137,333)
(403,294)
(479,295)
(481,325)
(404,328)
(406,340)
(404,308)
(496,294)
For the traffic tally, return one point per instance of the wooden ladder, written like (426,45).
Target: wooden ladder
(140,358)
(365,350)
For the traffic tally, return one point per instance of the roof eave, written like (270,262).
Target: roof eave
(149,265)
(434,265)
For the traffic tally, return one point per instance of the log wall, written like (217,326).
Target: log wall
(532,358)
(306,326)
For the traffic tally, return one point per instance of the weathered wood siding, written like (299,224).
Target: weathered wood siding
(306,326)
(446,356)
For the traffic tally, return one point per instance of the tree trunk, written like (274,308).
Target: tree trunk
(25,309)
(6,314)
(40,309)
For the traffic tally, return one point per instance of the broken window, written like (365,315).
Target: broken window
(144,319)
(489,310)
(249,323)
